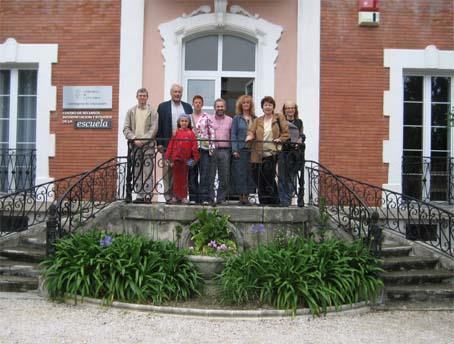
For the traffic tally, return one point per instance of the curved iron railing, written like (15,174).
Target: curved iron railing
(417,220)
(92,192)
(348,211)
(29,207)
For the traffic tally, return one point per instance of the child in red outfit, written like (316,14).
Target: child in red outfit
(182,152)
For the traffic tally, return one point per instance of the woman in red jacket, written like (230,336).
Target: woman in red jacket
(181,153)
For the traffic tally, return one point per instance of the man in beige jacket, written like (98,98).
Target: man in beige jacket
(140,128)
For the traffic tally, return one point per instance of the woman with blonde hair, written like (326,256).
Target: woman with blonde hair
(242,182)
(291,158)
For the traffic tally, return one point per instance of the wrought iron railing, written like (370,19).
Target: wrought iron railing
(415,219)
(17,169)
(90,193)
(276,180)
(345,208)
(428,178)
(22,209)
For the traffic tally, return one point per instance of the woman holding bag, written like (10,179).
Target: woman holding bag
(268,132)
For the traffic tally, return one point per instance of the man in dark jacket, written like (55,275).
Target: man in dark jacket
(169,112)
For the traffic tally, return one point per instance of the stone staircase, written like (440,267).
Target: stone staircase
(415,282)
(19,263)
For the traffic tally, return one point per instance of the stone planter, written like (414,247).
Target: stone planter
(208,266)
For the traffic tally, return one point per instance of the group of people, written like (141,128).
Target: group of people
(244,152)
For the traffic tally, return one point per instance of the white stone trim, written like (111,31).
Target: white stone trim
(425,60)
(267,35)
(131,62)
(308,73)
(41,55)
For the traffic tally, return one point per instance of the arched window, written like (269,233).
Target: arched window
(219,65)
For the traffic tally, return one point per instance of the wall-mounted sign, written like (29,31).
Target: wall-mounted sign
(93,124)
(87,119)
(87,97)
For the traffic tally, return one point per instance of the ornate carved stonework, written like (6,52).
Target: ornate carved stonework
(200,10)
(220,9)
(236,9)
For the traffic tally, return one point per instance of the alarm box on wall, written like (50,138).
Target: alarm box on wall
(368,13)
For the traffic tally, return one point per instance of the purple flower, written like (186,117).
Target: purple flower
(213,244)
(258,228)
(222,247)
(106,241)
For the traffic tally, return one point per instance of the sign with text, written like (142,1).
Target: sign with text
(87,97)
(93,123)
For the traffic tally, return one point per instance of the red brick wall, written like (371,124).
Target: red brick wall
(353,79)
(88,38)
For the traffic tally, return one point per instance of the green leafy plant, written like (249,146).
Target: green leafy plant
(210,234)
(120,267)
(302,274)
(323,219)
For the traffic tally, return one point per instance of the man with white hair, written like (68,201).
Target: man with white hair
(169,112)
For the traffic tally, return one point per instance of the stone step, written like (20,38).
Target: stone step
(19,268)
(24,254)
(416,276)
(396,251)
(408,263)
(441,292)
(429,305)
(34,242)
(18,283)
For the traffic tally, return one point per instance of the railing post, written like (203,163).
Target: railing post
(375,235)
(51,231)
(129,173)
(301,179)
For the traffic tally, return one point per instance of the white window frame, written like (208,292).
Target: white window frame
(218,74)
(401,61)
(14,55)
(426,120)
(174,33)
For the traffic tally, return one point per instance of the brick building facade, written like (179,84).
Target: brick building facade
(347,79)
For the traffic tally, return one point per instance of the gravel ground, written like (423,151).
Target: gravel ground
(27,318)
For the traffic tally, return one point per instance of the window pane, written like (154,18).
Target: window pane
(412,162)
(439,162)
(439,139)
(232,89)
(202,53)
(238,54)
(4,106)
(26,131)
(4,81)
(26,107)
(27,82)
(205,88)
(25,146)
(4,131)
(440,89)
(440,114)
(412,113)
(412,138)
(413,86)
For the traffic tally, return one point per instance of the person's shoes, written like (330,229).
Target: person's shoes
(192,202)
(139,200)
(205,203)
